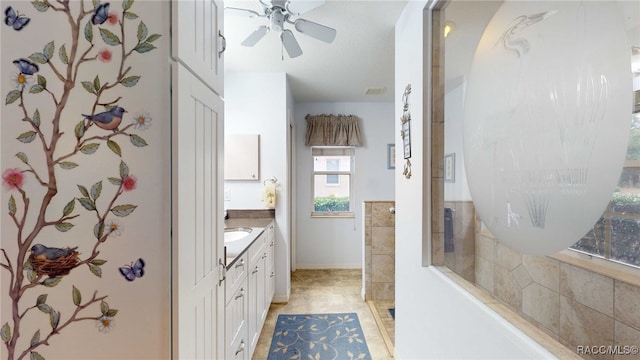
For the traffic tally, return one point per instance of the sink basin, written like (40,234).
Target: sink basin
(235,234)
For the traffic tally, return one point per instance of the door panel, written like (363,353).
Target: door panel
(198,297)
(197,39)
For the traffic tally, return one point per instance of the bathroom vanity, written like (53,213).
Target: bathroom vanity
(250,281)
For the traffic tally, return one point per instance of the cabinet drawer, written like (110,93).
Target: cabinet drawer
(235,275)
(256,250)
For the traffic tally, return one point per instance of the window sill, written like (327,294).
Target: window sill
(345,215)
(609,268)
(612,269)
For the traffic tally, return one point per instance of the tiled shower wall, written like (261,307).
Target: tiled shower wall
(461,259)
(575,306)
(379,250)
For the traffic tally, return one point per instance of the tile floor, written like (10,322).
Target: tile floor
(325,291)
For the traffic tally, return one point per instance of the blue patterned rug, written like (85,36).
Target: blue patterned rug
(318,336)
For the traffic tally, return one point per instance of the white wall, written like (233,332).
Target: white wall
(258,103)
(434,317)
(332,242)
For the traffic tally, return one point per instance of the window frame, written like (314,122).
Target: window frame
(348,151)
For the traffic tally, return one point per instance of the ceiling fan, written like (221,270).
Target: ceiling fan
(279,12)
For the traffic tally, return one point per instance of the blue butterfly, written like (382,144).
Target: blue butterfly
(100,14)
(26,67)
(12,18)
(131,272)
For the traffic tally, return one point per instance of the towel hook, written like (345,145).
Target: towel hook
(273,180)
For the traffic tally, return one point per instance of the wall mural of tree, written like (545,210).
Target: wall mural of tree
(111,33)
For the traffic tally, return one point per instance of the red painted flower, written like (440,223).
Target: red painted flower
(13,178)
(129,183)
(104,55)
(113,18)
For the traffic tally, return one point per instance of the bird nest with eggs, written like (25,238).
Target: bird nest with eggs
(54,267)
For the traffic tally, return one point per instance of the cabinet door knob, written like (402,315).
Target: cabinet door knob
(239,295)
(240,348)
(256,270)
(241,263)
(272,274)
(223,43)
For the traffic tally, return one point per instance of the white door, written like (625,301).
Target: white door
(197,40)
(197,220)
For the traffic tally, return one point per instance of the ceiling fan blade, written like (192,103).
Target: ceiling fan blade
(241,12)
(316,30)
(255,36)
(290,44)
(298,7)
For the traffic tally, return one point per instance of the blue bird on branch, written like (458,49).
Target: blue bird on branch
(42,252)
(108,120)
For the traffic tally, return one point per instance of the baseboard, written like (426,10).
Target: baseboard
(328,266)
(280,299)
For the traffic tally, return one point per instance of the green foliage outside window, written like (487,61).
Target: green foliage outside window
(331,204)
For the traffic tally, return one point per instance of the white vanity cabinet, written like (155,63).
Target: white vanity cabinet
(249,291)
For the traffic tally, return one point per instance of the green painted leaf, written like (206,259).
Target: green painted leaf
(88,31)
(96,83)
(144,47)
(54,318)
(98,230)
(98,262)
(153,37)
(143,32)
(27,137)
(77,297)
(36,118)
(83,191)
(137,140)
(68,209)
(41,299)
(79,129)
(96,190)
(31,275)
(51,282)
(62,52)
(12,206)
(64,227)
(5,333)
(114,147)
(124,170)
(104,307)
(88,85)
(130,15)
(40,5)
(42,81)
(35,338)
(68,165)
(130,81)
(35,356)
(44,308)
(109,38)
(123,210)
(12,96)
(87,204)
(95,270)
(48,50)
(23,157)
(115,181)
(112,312)
(90,148)
(38,57)
(126,4)
(36,88)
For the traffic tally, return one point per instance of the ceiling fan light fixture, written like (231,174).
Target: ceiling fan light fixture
(277,19)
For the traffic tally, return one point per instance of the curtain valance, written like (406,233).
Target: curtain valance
(333,130)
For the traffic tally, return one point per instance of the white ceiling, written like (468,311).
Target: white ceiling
(361,57)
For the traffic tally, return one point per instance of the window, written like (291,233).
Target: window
(616,236)
(333,165)
(331,180)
